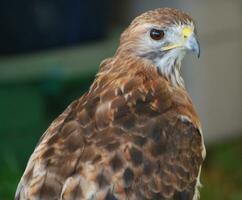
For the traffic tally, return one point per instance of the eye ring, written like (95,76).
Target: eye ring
(156,34)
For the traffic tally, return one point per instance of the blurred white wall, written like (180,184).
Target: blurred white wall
(215,80)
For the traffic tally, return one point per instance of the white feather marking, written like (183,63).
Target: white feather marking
(203,145)
(198,185)
(185,118)
(90,187)
(170,64)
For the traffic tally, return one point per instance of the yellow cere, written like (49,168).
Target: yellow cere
(187,32)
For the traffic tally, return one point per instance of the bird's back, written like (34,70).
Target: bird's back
(130,137)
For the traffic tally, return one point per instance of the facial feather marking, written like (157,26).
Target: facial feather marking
(166,53)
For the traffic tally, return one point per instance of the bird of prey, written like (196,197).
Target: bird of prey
(134,135)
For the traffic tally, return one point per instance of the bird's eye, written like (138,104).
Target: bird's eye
(156,34)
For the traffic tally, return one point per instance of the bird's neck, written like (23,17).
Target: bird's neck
(171,71)
(129,65)
(169,66)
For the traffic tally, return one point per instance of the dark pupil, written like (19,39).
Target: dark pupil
(156,34)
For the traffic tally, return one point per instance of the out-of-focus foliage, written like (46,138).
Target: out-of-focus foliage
(26,111)
(9,175)
(222,172)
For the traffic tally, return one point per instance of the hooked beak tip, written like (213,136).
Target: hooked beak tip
(193,45)
(197,49)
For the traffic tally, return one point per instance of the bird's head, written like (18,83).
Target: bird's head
(162,37)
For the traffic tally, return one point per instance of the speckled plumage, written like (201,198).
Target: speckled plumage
(133,136)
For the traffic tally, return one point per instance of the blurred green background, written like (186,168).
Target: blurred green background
(54,59)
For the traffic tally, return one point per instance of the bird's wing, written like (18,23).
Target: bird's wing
(37,173)
(124,142)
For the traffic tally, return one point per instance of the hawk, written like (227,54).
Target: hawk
(134,134)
